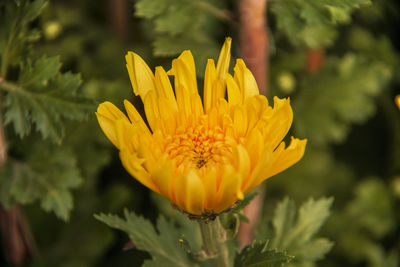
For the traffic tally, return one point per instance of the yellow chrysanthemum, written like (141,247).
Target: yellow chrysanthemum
(397,101)
(203,157)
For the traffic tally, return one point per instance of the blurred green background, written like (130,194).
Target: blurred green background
(338,61)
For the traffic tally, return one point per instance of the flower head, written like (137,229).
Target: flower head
(201,155)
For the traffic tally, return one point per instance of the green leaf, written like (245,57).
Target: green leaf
(343,93)
(44,97)
(150,8)
(294,232)
(372,208)
(181,25)
(47,177)
(163,247)
(283,220)
(38,74)
(313,22)
(15,33)
(258,254)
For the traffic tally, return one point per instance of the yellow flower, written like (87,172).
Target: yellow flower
(202,156)
(397,101)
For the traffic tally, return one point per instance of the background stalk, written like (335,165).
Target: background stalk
(254,46)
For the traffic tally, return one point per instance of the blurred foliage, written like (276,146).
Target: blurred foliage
(313,23)
(294,231)
(59,58)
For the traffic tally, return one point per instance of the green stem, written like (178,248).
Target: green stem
(214,242)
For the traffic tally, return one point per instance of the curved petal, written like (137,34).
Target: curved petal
(184,72)
(229,191)
(224,59)
(190,193)
(245,79)
(234,95)
(162,178)
(210,184)
(133,164)
(164,87)
(107,115)
(287,157)
(278,122)
(141,76)
(209,78)
(135,117)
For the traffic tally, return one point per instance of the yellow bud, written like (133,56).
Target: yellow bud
(286,82)
(52,30)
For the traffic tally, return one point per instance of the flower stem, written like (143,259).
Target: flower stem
(214,242)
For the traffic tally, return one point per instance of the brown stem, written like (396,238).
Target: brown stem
(254,39)
(315,60)
(3,148)
(119,18)
(17,239)
(254,45)
(18,242)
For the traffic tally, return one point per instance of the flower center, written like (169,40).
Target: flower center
(198,147)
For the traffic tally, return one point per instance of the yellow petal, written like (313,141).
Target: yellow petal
(162,177)
(209,78)
(286,158)
(279,122)
(197,107)
(107,114)
(192,193)
(125,134)
(164,87)
(184,72)
(397,101)
(240,120)
(245,79)
(135,117)
(167,114)
(257,174)
(224,59)
(151,109)
(241,160)
(210,183)
(141,76)
(133,165)
(234,96)
(218,92)
(183,100)
(229,191)
(254,146)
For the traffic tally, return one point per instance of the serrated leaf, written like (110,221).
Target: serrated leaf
(150,8)
(163,247)
(180,25)
(372,208)
(313,22)
(259,255)
(342,93)
(38,74)
(283,220)
(312,215)
(294,232)
(313,250)
(46,176)
(15,33)
(45,98)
